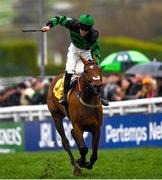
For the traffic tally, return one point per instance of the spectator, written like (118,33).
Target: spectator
(26,94)
(112,92)
(159,86)
(10,96)
(149,88)
(111,89)
(136,82)
(125,87)
(34,91)
(41,89)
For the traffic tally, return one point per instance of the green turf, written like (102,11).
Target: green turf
(142,163)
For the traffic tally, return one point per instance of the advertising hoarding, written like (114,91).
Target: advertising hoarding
(138,130)
(45,137)
(11,137)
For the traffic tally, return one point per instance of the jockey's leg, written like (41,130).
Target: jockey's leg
(72,59)
(67,80)
(103,96)
(86,54)
(104,101)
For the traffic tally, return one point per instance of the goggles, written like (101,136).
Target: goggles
(85,27)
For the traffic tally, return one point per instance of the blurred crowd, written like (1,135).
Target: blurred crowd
(29,92)
(115,88)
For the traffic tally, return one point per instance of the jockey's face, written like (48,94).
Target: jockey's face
(84,29)
(83,32)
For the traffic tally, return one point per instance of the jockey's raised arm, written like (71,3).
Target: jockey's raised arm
(73,25)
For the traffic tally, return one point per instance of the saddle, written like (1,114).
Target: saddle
(59,87)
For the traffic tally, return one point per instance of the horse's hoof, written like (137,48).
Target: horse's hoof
(80,163)
(77,170)
(88,165)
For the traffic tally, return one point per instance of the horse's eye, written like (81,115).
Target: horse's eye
(86,71)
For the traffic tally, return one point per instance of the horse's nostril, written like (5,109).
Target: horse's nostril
(97,89)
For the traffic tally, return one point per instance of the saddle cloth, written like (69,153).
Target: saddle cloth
(58,88)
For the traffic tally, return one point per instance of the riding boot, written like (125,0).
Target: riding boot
(104,101)
(67,80)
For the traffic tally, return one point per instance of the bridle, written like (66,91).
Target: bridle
(89,86)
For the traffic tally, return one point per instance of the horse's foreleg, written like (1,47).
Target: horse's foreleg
(65,142)
(95,142)
(77,134)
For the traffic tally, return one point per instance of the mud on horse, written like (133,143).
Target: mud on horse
(84,110)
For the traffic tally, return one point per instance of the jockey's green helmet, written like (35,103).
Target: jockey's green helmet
(86,19)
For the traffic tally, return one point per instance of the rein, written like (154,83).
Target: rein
(89,105)
(86,104)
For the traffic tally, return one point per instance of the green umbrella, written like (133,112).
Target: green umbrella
(122,60)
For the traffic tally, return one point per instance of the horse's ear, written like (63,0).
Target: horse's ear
(83,60)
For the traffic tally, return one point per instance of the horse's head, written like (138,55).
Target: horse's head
(92,75)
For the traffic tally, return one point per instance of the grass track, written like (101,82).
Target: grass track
(142,163)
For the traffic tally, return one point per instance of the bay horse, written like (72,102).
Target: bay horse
(84,110)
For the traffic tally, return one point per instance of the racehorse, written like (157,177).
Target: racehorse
(84,110)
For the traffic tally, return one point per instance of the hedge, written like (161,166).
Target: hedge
(158,40)
(18,58)
(54,70)
(109,45)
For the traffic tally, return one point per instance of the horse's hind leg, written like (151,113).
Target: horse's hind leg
(77,134)
(59,126)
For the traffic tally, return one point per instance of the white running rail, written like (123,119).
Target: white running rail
(40,112)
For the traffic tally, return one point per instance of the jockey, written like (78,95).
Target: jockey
(84,42)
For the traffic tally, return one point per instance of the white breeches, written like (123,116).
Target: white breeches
(74,64)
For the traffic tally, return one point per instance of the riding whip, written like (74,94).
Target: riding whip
(32,30)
